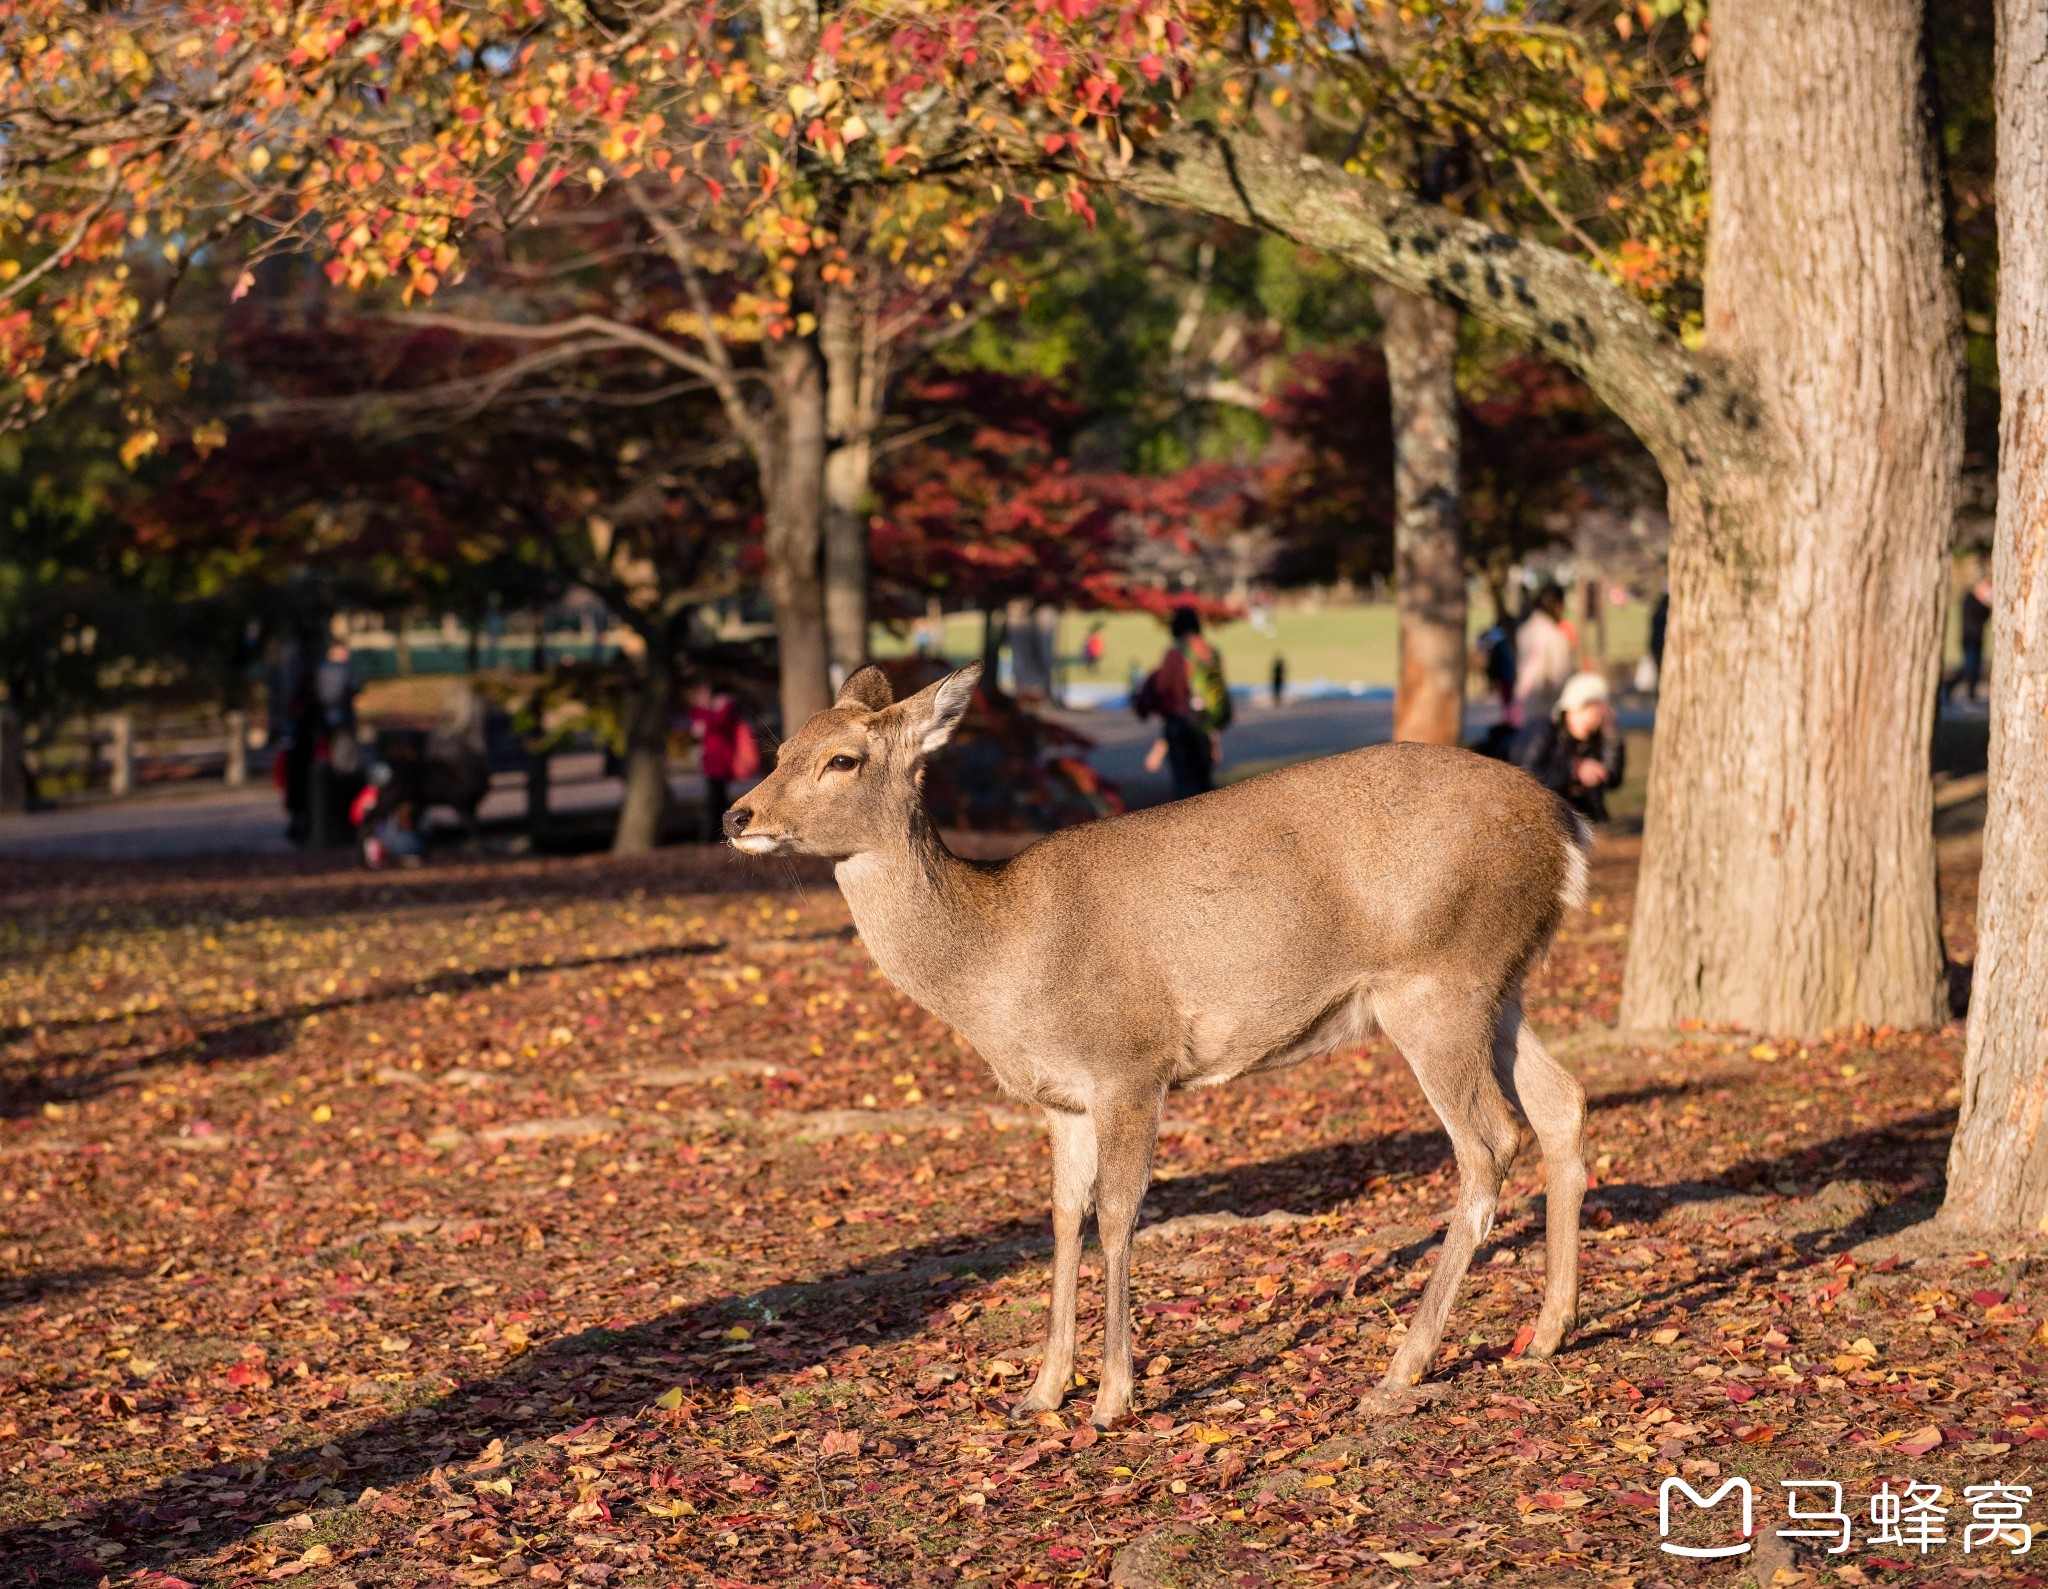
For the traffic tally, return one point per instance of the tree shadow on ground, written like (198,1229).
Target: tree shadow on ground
(24,1290)
(32,1081)
(71,894)
(878,1299)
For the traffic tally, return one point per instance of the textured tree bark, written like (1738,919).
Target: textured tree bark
(1998,1163)
(1420,337)
(1788,871)
(644,812)
(855,374)
(793,489)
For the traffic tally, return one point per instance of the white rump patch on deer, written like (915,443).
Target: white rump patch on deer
(1572,891)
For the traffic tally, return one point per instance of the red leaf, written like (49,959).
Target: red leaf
(1523,1337)
(1739,1392)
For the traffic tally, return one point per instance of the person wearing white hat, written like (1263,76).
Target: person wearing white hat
(1578,754)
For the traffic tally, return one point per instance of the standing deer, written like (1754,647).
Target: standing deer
(1243,930)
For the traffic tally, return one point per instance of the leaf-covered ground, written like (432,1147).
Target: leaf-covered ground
(608,1222)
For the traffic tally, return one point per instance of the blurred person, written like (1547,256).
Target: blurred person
(1976,618)
(1543,659)
(717,727)
(1578,753)
(1092,649)
(1188,695)
(1279,678)
(335,682)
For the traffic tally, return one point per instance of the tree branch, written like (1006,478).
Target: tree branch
(616,332)
(62,252)
(745,422)
(1692,413)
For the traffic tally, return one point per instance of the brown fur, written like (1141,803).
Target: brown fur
(1243,930)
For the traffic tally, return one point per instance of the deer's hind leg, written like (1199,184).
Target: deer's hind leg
(1552,1101)
(1126,1132)
(1446,1035)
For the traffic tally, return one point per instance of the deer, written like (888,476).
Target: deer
(1404,886)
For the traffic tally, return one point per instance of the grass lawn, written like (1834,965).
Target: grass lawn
(1353,643)
(610,1222)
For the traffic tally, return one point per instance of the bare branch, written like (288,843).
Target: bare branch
(721,372)
(1572,227)
(614,331)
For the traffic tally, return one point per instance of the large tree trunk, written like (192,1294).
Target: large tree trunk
(1788,858)
(853,383)
(1420,337)
(1998,1164)
(648,708)
(792,486)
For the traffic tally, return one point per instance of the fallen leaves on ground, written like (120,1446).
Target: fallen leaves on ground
(595,1221)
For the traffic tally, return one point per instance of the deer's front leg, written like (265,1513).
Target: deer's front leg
(1073,1190)
(1126,1130)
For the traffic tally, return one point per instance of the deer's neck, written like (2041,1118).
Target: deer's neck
(922,912)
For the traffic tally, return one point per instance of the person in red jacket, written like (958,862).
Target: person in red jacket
(716,726)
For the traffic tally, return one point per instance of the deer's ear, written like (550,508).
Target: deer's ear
(868,688)
(934,712)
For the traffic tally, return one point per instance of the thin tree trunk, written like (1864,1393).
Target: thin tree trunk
(644,814)
(1998,1164)
(1788,865)
(792,485)
(853,382)
(1421,343)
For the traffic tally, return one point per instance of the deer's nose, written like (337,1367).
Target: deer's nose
(736,821)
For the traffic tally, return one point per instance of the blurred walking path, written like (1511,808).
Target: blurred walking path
(250,822)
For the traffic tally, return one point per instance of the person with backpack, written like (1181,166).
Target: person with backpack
(1188,694)
(726,749)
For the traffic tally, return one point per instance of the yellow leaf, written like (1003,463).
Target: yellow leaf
(1403,1558)
(1322,1481)
(1210,1435)
(670,1399)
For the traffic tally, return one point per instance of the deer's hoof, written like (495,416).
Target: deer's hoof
(1032,1405)
(1548,1339)
(1391,1400)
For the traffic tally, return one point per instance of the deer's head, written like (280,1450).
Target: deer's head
(848,780)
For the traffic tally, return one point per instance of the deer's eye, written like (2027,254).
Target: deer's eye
(841,764)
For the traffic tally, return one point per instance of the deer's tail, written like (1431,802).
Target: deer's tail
(1578,841)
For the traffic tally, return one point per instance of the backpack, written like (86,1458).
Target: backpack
(1211,685)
